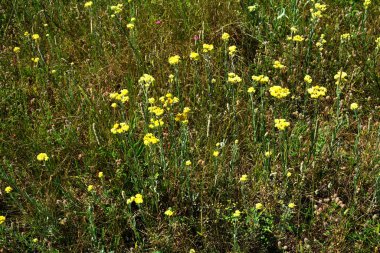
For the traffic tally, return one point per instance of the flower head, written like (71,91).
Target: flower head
(340,78)
(252,8)
(194,56)
(317,91)
(88,4)
(146,80)
(150,139)
(291,205)
(8,189)
(36,37)
(366,3)
(260,79)
(251,90)
(215,153)
(139,199)
(174,60)
(2,219)
(308,79)
(169,212)
(130,26)
(16,50)
(188,163)
(278,65)
(354,106)
(90,188)
(42,157)
(244,178)
(232,50)
(225,37)
(236,214)
(100,174)
(207,48)
(281,124)
(119,128)
(279,92)
(259,206)
(233,78)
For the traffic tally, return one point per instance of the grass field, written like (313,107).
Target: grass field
(190,126)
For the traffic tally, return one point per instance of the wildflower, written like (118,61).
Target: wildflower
(281,124)
(291,205)
(296,38)
(345,36)
(42,157)
(90,188)
(233,78)
(252,8)
(225,37)
(117,8)
(16,50)
(366,4)
(113,105)
(26,34)
(169,212)
(35,59)
(88,4)
(377,43)
(133,19)
(279,92)
(8,189)
(130,26)
(35,240)
(36,37)
(139,199)
(244,178)
(259,206)
(174,60)
(2,219)
(354,106)
(150,139)
(151,100)
(340,77)
(213,80)
(119,128)
(288,174)
(157,22)
(215,153)
(317,91)
(232,50)
(194,56)
(192,251)
(171,78)
(131,200)
(320,7)
(308,79)
(293,29)
(188,163)
(260,79)
(278,65)
(268,153)
(121,96)
(146,80)
(207,48)
(321,42)
(183,117)
(236,214)
(156,123)
(53,71)
(100,175)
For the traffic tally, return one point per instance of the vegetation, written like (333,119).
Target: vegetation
(190,126)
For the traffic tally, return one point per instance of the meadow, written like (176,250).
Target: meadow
(190,126)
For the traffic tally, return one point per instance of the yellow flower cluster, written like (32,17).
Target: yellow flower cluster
(233,78)
(130,26)
(278,65)
(88,4)
(119,128)
(36,37)
(345,36)
(251,90)
(90,188)
(2,219)
(278,91)
(321,42)
(121,96)
(169,212)
(308,79)
(340,78)
(232,50)
(354,106)
(236,214)
(158,111)
(117,8)
(183,117)
(154,123)
(318,10)
(259,206)
(296,38)
(150,139)
(260,79)
(146,80)
(252,8)
(244,178)
(42,157)
(281,124)
(366,3)
(35,59)
(317,91)
(225,37)
(8,189)
(168,100)
(377,43)
(194,56)
(16,50)
(174,60)
(138,199)
(207,48)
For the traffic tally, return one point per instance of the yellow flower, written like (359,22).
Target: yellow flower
(291,205)
(366,3)
(42,157)
(259,206)
(293,29)
(117,8)
(233,78)
(169,212)
(279,92)
(278,65)
(154,123)
(151,100)
(281,124)
(308,79)
(88,4)
(16,50)
(53,71)
(188,163)
(232,50)
(100,174)
(244,178)
(354,106)
(236,214)
(298,38)
(35,59)
(35,240)
(225,37)
(377,43)
(320,7)
(147,80)
(268,153)
(113,105)
(260,79)
(215,153)
(317,91)
(207,48)
(340,77)
(139,199)
(90,188)
(288,174)
(345,36)
(150,139)
(119,128)
(213,80)
(192,251)
(252,8)
(194,56)
(130,26)
(35,36)
(133,19)
(2,219)
(26,34)
(8,189)
(174,60)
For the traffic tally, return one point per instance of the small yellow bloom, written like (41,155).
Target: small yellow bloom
(236,214)
(260,79)
(192,251)
(35,240)
(252,8)
(174,60)
(35,36)
(150,139)
(169,212)
(340,77)
(130,26)
(90,188)
(194,56)
(278,65)
(16,50)
(268,153)
(2,219)
(232,50)
(42,157)
(88,4)
(114,105)
(139,199)
(244,178)
(26,34)
(133,19)
(225,37)
(188,163)
(53,71)
(291,205)
(317,91)
(35,59)
(215,153)
(297,38)
(288,174)
(8,189)
(279,92)
(147,80)
(293,29)
(308,79)
(345,36)
(207,48)
(233,78)
(366,3)
(354,106)
(281,124)
(259,206)
(100,174)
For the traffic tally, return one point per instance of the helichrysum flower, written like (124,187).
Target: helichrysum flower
(366,3)
(251,90)
(308,79)
(146,80)
(188,163)
(377,43)
(174,60)
(183,117)
(139,199)
(232,50)
(90,188)
(16,50)
(252,8)
(100,174)
(117,8)
(35,59)
(345,36)
(42,157)
(26,34)
(36,37)
(281,124)
(260,79)
(169,212)
(278,65)
(150,139)
(296,38)
(291,205)
(317,91)
(288,174)
(243,178)
(215,153)
(236,214)
(354,106)
(225,37)
(259,206)
(119,128)
(293,29)
(340,78)
(279,92)
(207,48)
(35,240)
(268,153)
(194,56)
(130,26)
(2,219)
(8,189)
(114,105)
(154,123)
(88,4)
(133,19)
(121,96)
(233,78)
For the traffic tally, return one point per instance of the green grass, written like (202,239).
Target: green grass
(326,162)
